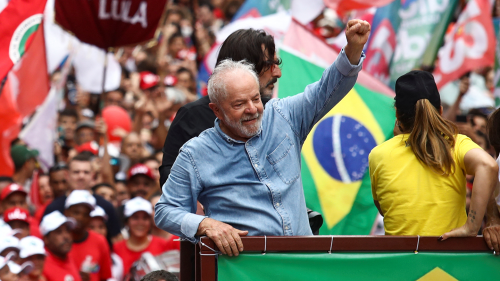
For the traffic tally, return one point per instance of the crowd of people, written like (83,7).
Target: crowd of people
(90,216)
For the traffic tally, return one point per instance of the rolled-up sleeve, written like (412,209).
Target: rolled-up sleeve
(306,109)
(175,211)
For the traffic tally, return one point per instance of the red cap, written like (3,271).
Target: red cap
(11,188)
(140,169)
(170,80)
(16,214)
(148,80)
(91,146)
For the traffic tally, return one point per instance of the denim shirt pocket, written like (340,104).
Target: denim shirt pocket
(284,161)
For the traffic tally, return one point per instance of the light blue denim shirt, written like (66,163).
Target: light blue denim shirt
(254,185)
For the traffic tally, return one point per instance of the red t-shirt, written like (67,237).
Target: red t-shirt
(156,246)
(56,269)
(94,249)
(39,212)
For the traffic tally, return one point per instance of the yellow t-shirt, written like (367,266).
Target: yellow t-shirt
(414,199)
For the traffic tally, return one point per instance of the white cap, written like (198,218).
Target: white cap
(6,230)
(25,268)
(31,246)
(6,259)
(8,242)
(53,221)
(99,212)
(80,197)
(137,204)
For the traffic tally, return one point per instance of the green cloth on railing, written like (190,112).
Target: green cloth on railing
(360,266)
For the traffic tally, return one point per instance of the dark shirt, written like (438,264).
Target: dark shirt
(189,122)
(112,224)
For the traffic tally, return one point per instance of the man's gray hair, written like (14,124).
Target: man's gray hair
(217,82)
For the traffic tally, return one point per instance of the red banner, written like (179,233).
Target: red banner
(19,21)
(26,88)
(469,46)
(342,6)
(110,23)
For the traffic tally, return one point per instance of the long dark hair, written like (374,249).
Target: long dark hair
(246,44)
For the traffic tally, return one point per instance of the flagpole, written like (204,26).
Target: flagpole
(104,71)
(103,91)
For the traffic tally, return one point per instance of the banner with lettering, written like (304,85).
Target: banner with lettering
(418,21)
(110,23)
(470,45)
(496,77)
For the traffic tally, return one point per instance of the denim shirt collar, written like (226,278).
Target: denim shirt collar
(227,138)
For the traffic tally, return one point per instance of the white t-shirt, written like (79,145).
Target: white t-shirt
(116,268)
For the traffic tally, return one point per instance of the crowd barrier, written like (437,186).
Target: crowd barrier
(342,258)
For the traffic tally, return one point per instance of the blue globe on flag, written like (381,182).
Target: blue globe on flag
(342,145)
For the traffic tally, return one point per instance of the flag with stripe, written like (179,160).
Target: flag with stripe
(19,20)
(335,154)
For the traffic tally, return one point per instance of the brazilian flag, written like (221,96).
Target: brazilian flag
(335,154)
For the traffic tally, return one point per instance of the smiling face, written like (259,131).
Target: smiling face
(140,186)
(139,224)
(241,109)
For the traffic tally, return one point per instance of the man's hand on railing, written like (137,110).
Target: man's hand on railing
(226,237)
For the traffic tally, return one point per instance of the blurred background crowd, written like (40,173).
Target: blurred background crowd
(80,167)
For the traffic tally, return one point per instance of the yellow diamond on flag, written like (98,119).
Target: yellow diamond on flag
(336,152)
(437,274)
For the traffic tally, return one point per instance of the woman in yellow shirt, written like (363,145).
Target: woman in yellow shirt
(418,177)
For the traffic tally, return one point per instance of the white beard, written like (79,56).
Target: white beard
(242,130)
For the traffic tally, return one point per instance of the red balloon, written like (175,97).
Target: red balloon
(116,117)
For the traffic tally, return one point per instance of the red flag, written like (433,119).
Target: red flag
(469,46)
(26,87)
(342,6)
(110,23)
(31,72)
(10,124)
(35,191)
(380,51)
(19,21)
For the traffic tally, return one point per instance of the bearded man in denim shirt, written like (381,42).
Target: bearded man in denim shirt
(246,170)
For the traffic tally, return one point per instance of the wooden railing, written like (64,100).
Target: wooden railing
(198,262)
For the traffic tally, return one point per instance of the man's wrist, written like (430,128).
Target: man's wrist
(353,53)
(202,227)
(491,221)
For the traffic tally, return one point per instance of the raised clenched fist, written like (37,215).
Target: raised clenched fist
(357,32)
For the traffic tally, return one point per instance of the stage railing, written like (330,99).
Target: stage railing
(424,257)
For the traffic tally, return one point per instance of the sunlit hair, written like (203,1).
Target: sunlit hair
(494,131)
(432,137)
(218,79)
